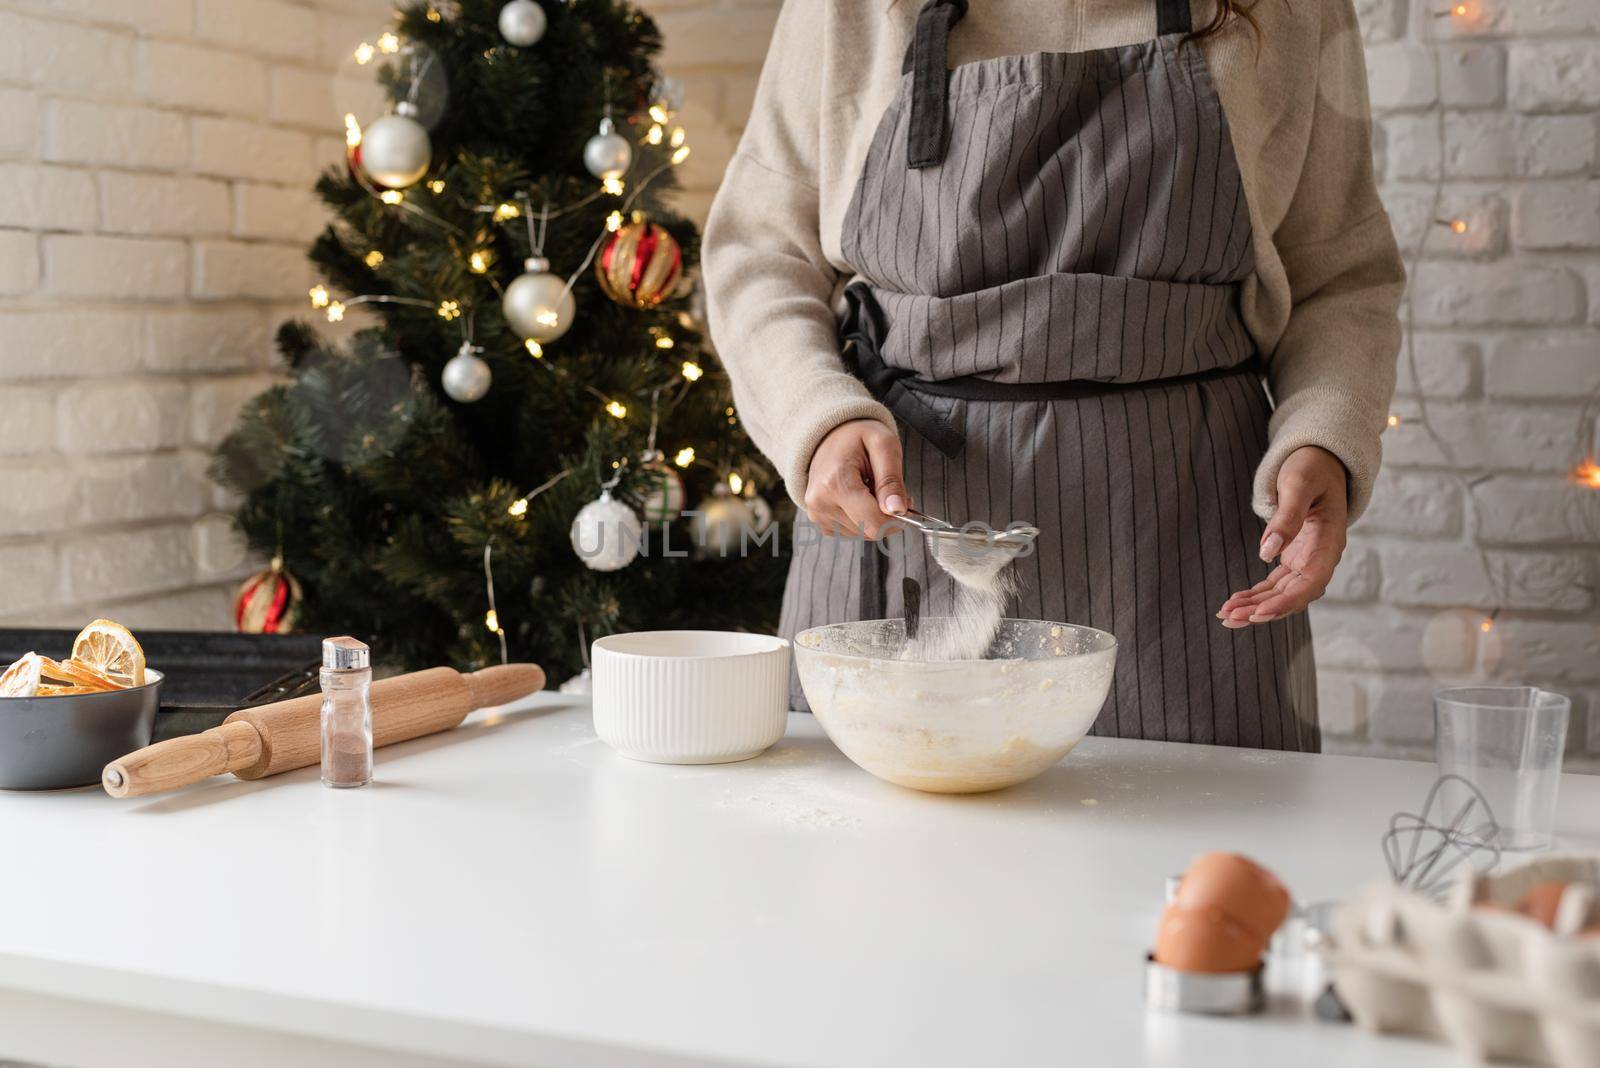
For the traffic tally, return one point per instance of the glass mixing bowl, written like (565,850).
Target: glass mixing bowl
(955,726)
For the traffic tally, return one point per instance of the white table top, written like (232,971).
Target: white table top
(514,892)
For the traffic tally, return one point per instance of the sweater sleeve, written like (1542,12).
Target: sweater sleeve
(769,287)
(1333,370)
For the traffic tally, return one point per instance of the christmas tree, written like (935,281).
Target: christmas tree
(504,224)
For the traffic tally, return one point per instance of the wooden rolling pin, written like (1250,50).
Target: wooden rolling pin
(256,742)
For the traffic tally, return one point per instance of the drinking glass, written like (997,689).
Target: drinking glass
(1507,741)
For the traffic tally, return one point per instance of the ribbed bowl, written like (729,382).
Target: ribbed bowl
(690,696)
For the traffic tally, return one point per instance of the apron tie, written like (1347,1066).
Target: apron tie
(863,332)
(927,60)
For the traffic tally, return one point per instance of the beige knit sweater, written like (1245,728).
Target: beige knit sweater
(1321,305)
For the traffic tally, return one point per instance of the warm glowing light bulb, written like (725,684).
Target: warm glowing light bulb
(678,136)
(691,370)
(373,258)
(1459,11)
(491,619)
(653,137)
(665,342)
(335,312)
(449,309)
(1487,625)
(614,221)
(436,186)
(506,211)
(1458,226)
(616,410)
(735,482)
(518,509)
(659,113)
(535,349)
(319,296)
(613,186)
(433,15)
(548,317)
(364,53)
(1587,473)
(388,43)
(685,456)
(680,154)
(391,196)
(478,262)
(352,131)
(1394,420)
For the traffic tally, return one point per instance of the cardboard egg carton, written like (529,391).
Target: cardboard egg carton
(1494,983)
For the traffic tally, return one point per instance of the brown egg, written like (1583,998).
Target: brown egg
(1205,940)
(1239,888)
(1540,903)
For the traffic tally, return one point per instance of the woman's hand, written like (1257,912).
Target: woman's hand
(1308,529)
(855,485)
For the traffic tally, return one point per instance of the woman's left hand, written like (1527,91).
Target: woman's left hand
(1307,529)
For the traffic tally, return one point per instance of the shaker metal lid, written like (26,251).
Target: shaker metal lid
(345,654)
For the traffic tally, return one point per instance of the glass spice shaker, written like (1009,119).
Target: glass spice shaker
(346,713)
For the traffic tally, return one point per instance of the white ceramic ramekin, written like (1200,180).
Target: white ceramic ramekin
(690,696)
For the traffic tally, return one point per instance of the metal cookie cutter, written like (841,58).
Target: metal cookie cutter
(1220,994)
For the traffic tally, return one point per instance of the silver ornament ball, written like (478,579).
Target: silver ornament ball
(466,377)
(608,154)
(760,513)
(720,524)
(606,534)
(537,304)
(522,22)
(395,151)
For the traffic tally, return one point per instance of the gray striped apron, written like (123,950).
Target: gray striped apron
(1049,250)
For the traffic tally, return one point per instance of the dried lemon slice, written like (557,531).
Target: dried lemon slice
(110,649)
(22,678)
(67,691)
(76,673)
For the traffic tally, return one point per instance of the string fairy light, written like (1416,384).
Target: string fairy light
(491,618)
(519,507)
(373,258)
(691,370)
(685,456)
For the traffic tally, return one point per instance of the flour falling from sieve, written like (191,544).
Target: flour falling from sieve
(983,586)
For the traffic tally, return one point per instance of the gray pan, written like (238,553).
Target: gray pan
(47,743)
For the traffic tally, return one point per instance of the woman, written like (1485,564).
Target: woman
(1070,247)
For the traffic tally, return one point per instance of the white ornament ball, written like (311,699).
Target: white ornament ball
(466,377)
(395,151)
(760,512)
(720,524)
(663,491)
(537,304)
(522,22)
(607,154)
(606,534)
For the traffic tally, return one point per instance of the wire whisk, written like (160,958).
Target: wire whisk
(1436,850)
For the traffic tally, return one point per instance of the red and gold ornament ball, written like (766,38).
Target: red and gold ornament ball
(640,264)
(267,601)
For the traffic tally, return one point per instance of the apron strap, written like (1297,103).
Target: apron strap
(863,333)
(1172,16)
(928,60)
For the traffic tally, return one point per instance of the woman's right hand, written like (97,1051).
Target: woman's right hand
(856,485)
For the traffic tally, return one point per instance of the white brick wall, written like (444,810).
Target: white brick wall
(1507,352)
(156,163)
(156,158)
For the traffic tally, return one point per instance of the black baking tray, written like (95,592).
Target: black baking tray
(209,674)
